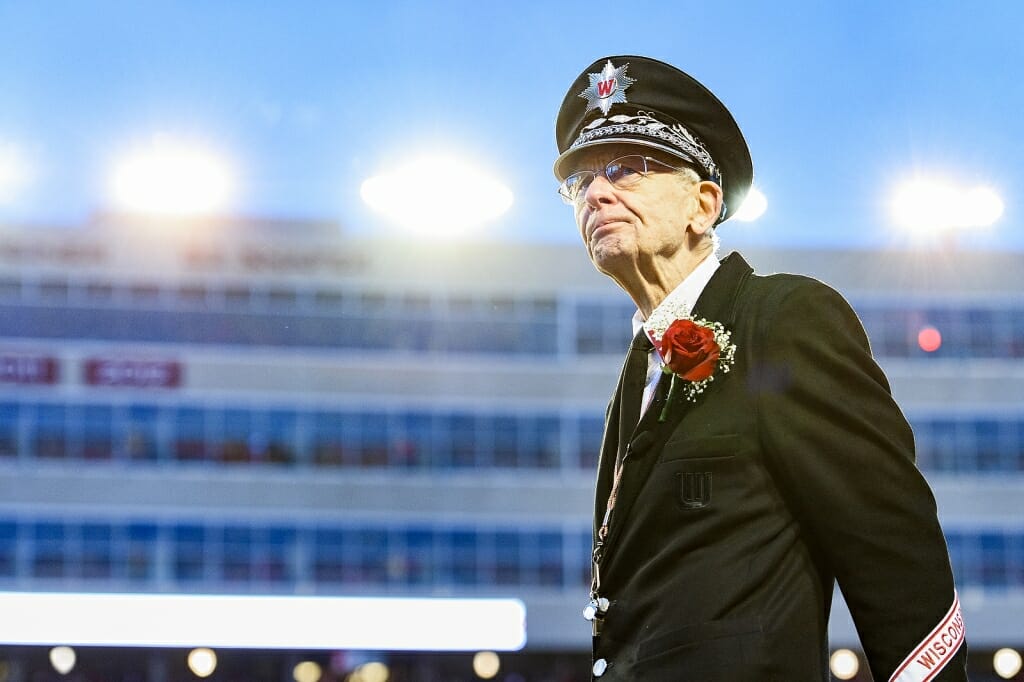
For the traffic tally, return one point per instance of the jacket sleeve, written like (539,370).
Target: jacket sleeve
(843,454)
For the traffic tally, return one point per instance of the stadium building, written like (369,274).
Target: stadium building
(275,408)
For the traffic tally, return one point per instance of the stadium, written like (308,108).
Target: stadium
(275,409)
(304,370)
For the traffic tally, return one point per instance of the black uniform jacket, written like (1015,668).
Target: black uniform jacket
(737,514)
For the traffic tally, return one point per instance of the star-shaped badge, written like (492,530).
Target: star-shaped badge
(607,88)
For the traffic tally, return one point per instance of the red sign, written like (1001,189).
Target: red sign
(29,369)
(133,373)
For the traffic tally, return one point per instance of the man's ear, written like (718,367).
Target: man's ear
(709,206)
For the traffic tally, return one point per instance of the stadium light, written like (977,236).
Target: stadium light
(925,206)
(437,195)
(844,664)
(202,662)
(15,173)
(168,177)
(1007,663)
(263,622)
(753,206)
(63,659)
(486,665)
(373,671)
(307,671)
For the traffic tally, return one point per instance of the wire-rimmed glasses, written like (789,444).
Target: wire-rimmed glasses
(622,172)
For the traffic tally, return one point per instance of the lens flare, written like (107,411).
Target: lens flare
(437,195)
(167,177)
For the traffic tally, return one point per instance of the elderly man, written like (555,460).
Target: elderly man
(753,455)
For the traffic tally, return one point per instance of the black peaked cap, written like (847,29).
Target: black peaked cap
(643,101)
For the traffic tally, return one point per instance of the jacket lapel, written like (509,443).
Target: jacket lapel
(609,450)
(716,303)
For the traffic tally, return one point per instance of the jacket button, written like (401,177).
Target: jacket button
(600,665)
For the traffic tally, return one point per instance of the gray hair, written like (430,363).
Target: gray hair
(693,177)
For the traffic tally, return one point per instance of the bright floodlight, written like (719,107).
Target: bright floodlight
(374,671)
(170,178)
(202,662)
(486,665)
(753,207)
(437,195)
(263,622)
(1007,663)
(14,173)
(844,664)
(924,206)
(307,671)
(63,658)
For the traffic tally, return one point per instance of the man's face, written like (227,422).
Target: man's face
(626,228)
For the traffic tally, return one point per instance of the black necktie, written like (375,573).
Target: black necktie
(634,379)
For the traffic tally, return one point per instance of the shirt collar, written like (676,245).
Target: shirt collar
(680,300)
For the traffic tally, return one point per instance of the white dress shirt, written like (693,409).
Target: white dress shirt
(678,303)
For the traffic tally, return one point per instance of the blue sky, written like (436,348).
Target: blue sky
(838,100)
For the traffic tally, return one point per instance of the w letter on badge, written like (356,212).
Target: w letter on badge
(695,489)
(605,88)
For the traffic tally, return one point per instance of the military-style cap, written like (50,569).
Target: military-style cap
(642,101)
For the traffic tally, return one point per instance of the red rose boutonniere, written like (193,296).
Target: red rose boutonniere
(691,350)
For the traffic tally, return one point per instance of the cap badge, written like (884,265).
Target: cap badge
(607,87)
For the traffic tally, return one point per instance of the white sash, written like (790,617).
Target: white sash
(936,650)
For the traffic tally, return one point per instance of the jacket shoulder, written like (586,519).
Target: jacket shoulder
(791,291)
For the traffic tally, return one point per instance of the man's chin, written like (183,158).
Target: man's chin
(608,254)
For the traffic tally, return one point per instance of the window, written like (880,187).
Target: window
(193,295)
(329,564)
(97,432)
(236,554)
(138,433)
(8,549)
(138,551)
(275,442)
(49,437)
(190,442)
(327,444)
(273,555)
(189,552)
(99,292)
(96,561)
(591,430)
(463,557)
(144,294)
(237,438)
(53,291)
(48,550)
(10,289)
(9,429)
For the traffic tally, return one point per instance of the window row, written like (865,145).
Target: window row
(944,332)
(513,327)
(284,558)
(970,445)
(372,331)
(198,433)
(359,438)
(988,558)
(895,332)
(325,558)
(260,298)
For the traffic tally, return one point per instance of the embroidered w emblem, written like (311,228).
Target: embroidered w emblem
(695,489)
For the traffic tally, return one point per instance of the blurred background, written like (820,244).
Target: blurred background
(290,308)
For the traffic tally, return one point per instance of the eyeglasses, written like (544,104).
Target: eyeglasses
(622,172)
